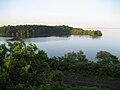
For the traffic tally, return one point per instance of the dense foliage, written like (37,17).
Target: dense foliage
(25,31)
(94,34)
(107,65)
(25,67)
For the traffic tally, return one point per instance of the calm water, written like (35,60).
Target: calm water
(58,46)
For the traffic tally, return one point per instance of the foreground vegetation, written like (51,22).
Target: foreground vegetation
(26,31)
(25,67)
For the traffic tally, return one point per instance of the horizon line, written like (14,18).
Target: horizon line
(65,25)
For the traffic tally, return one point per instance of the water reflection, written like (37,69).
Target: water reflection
(56,38)
(50,38)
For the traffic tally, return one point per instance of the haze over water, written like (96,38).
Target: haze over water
(75,13)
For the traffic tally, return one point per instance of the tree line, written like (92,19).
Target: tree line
(26,31)
(25,67)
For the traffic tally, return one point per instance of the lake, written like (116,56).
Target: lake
(58,46)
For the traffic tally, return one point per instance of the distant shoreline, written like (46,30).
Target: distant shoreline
(65,25)
(26,31)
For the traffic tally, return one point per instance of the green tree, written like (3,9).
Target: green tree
(106,57)
(75,56)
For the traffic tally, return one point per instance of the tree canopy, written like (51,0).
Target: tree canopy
(25,67)
(26,31)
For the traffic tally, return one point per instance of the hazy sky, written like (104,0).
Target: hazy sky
(76,13)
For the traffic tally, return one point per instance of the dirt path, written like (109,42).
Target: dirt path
(86,81)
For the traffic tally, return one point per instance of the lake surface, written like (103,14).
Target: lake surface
(58,46)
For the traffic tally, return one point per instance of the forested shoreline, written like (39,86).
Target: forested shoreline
(26,31)
(25,67)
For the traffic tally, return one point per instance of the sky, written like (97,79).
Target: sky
(75,13)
